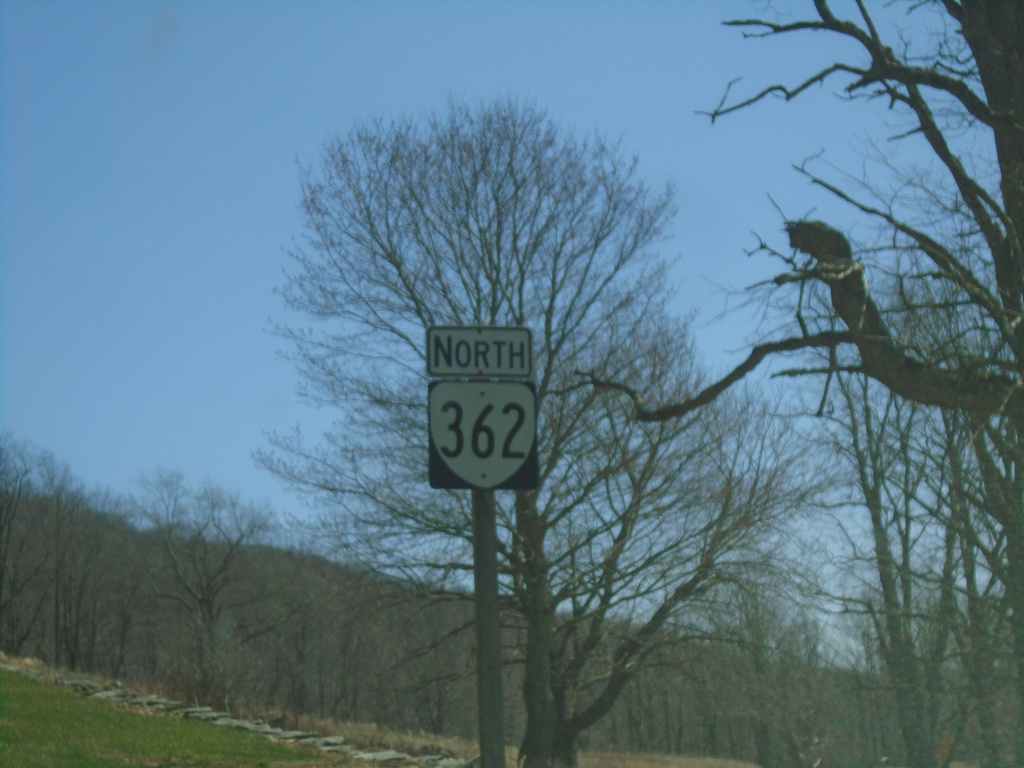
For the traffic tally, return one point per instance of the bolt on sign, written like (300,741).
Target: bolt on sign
(482,419)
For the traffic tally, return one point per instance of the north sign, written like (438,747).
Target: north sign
(465,351)
(483,435)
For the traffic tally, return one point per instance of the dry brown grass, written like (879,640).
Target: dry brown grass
(373,736)
(370,736)
(24,661)
(615,760)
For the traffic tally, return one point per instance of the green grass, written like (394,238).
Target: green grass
(44,726)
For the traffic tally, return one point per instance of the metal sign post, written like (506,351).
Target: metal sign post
(489,687)
(482,423)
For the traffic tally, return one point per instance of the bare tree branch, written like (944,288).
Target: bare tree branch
(707,395)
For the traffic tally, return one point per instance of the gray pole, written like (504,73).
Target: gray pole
(488,631)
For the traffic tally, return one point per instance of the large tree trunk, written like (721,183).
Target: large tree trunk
(994,29)
(564,747)
(550,739)
(1015,601)
(537,748)
(980,662)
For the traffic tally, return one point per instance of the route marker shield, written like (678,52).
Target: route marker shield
(483,434)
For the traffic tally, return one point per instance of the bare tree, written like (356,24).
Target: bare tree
(966,265)
(493,217)
(948,245)
(17,570)
(203,535)
(67,572)
(785,684)
(903,553)
(980,631)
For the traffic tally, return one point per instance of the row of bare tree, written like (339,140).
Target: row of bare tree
(185,589)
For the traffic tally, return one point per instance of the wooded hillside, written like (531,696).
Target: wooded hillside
(202,603)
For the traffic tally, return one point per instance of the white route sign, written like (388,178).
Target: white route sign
(465,351)
(482,434)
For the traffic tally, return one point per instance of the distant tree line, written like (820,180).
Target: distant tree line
(184,588)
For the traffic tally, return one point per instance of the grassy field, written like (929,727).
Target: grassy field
(47,726)
(44,726)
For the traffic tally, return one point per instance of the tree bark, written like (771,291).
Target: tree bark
(537,747)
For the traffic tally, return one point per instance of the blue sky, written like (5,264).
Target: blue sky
(150,157)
